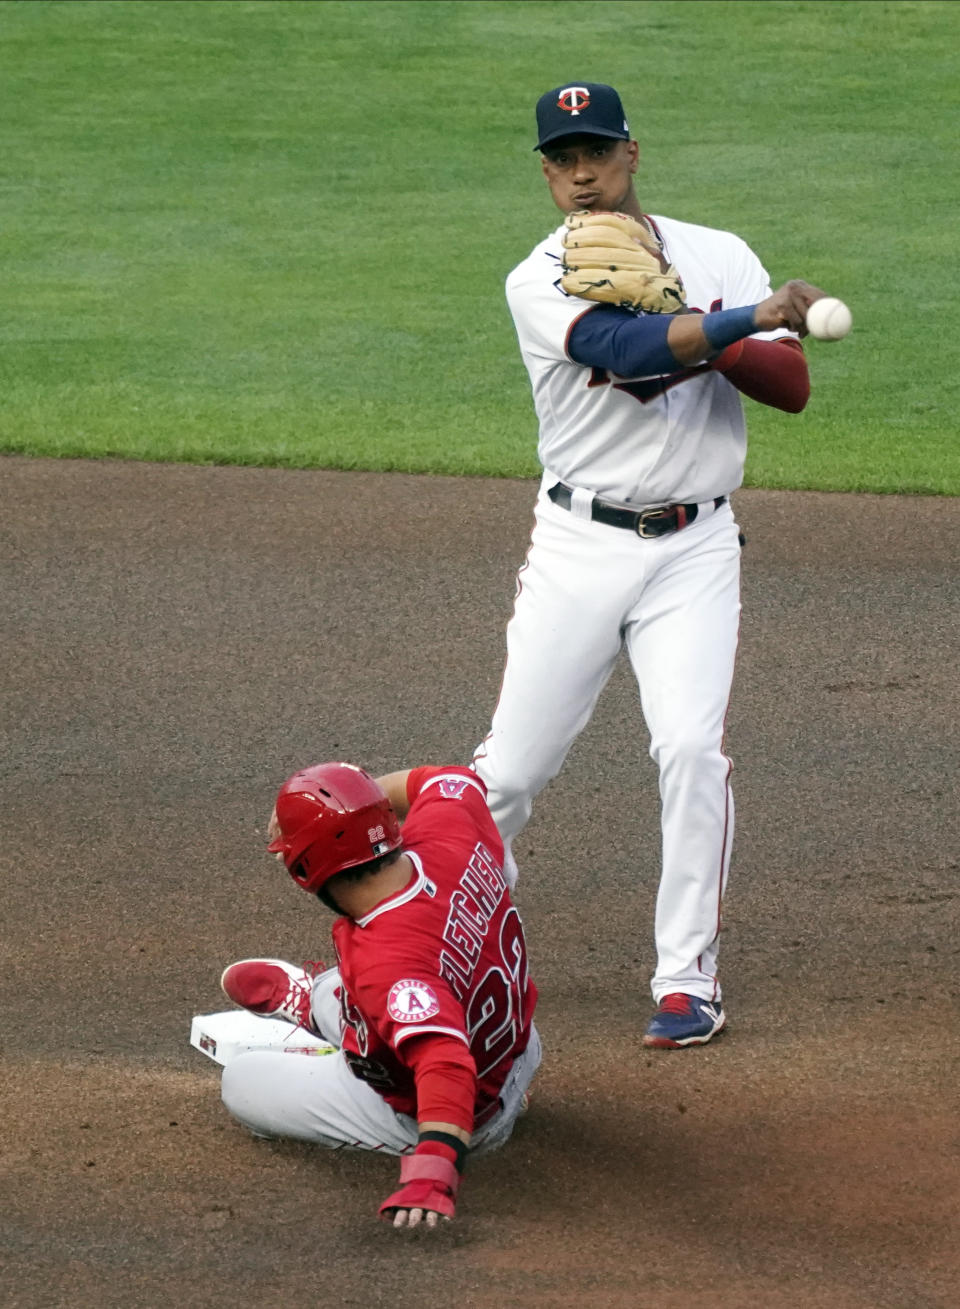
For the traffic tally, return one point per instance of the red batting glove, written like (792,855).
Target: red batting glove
(429,1183)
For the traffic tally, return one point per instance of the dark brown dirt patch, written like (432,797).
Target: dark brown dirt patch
(176,640)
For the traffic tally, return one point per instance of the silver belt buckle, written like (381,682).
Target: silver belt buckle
(644,518)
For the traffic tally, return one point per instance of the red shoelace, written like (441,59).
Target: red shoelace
(677,1003)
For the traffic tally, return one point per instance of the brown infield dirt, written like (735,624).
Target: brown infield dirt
(178,639)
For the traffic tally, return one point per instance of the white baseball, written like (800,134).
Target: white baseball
(829,319)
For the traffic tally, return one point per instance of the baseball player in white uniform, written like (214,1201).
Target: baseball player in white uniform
(635,546)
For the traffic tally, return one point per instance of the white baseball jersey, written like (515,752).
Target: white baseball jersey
(673,438)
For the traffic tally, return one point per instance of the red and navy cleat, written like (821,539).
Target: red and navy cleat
(683,1020)
(271,988)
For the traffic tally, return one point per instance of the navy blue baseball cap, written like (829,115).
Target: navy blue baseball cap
(589,108)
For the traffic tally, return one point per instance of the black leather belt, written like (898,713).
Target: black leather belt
(646,522)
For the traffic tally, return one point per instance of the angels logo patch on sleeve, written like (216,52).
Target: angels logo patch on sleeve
(411,1001)
(452,788)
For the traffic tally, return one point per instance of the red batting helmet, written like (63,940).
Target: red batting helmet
(332,817)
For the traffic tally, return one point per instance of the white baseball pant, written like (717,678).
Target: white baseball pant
(586,591)
(317,1098)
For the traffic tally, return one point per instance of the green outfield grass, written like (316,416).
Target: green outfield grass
(276,233)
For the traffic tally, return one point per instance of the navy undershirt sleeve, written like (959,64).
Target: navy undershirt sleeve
(627,344)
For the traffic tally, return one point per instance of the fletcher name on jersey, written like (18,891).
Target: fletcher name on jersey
(444,957)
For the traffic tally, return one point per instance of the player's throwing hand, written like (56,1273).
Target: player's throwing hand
(787,307)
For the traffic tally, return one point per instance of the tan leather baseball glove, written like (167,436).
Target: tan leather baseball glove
(615,259)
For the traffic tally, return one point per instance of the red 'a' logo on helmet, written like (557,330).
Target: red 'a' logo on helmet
(573,99)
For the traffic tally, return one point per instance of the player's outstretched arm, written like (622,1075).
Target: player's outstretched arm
(695,337)
(446,1080)
(634,345)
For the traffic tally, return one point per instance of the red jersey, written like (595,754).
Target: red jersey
(446,955)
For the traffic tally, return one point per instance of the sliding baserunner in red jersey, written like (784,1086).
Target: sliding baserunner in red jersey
(430,1005)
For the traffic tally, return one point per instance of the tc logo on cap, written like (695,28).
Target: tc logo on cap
(573,99)
(596,105)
